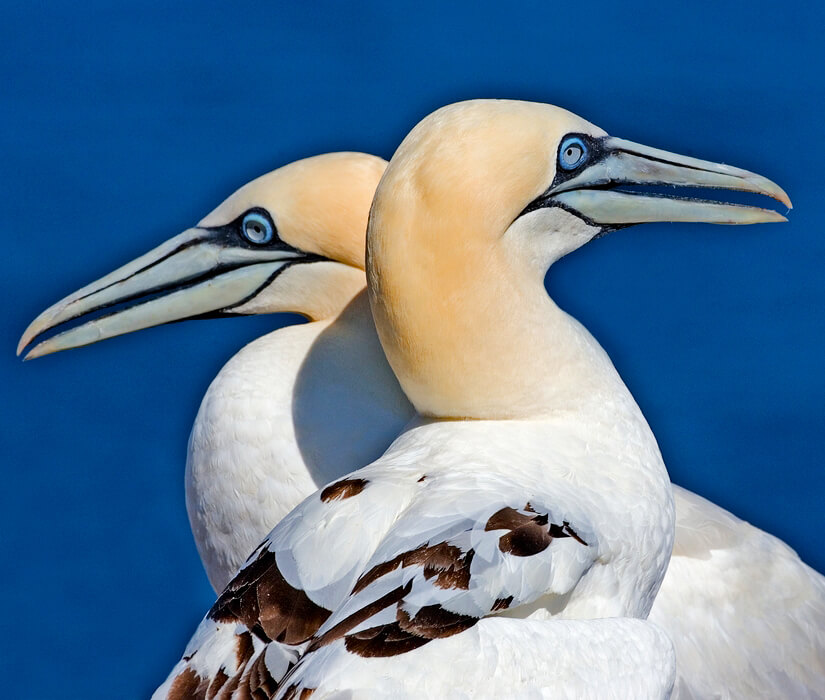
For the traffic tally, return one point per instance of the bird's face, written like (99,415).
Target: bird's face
(479,200)
(542,181)
(598,185)
(291,240)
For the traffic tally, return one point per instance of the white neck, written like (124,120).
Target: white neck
(473,334)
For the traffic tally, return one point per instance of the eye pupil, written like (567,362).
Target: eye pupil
(257,228)
(572,153)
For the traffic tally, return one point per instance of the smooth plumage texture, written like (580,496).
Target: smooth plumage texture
(746,615)
(554,506)
(430,539)
(565,659)
(305,405)
(291,412)
(731,590)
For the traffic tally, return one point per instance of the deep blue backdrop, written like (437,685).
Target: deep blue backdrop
(122,126)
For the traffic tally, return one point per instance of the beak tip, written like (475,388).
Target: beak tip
(24,341)
(34,329)
(37,351)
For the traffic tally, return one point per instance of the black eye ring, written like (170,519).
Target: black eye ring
(257,228)
(572,153)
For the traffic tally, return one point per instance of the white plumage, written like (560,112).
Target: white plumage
(291,412)
(388,598)
(746,615)
(305,405)
(453,510)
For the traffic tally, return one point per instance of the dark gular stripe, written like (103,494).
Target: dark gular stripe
(227,236)
(148,295)
(260,598)
(597,151)
(546,201)
(228,311)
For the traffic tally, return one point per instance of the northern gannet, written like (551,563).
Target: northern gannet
(279,421)
(296,408)
(531,486)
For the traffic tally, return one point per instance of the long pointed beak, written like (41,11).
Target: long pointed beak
(195,273)
(592,192)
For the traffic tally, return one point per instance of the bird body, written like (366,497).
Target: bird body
(746,615)
(532,486)
(303,406)
(565,660)
(439,531)
(292,411)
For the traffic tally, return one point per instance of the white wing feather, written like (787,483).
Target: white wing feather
(746,615)
(380,565)
(498,658)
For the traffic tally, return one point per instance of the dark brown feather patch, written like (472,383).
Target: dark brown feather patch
(529,534)
(365,613)
(292,693)
(449,565)
(502,603)
(408,633)
(346,488)
(260,598)
(216,684)
(244,648)
(188,685)
(383,641)
(259,680)
(434,622)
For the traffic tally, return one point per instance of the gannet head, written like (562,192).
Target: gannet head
(477,202)
(291,240)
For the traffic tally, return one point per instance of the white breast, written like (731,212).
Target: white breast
(501,658)
(289,413)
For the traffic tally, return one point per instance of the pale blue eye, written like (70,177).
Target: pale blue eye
(572,153)
(257,228)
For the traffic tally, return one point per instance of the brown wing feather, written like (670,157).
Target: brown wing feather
(260,598)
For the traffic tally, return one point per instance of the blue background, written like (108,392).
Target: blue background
(121,126)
